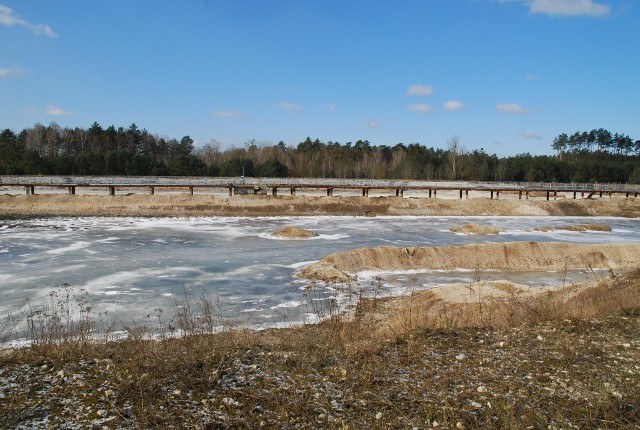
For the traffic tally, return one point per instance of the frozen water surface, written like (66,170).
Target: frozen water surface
(132,266)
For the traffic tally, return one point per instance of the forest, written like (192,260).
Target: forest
(592,156)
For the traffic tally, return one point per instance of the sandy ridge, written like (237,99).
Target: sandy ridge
(525,256)
(208,205)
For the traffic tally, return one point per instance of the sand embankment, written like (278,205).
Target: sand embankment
(294,233)
(15,206)
(519,256)
(476,229)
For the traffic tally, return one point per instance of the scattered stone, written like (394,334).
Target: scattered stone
(460,357)
(477,229)
(482,389)
(379,416)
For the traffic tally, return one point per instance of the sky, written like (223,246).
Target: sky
(506,76)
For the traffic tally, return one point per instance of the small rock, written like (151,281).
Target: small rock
(102,412)
(475,404)
(540,338)
(459,425)
(379,416)
(626,345)
(502,344)
(461,357)
(482,389)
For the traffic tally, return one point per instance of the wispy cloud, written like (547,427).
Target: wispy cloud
(419,107)
(57,111)
(290,106)
(569,7)
(11,72)
(530,135)
(419,90)
(227,114)
(372,123)
(330,106)
(513,108)
(532,77)
(565,7)
(9,18)
(453,105)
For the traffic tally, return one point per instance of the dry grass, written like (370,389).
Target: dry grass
(569,359)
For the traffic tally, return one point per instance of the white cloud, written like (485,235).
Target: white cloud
(532,77)
(227,114)
(11,72)
(453,105)
(568,7)
(419,107)
(57,111)
(419,90)
(290,106)
(530,135)
(9,18)
(513,108)
(330,106)
(372,123)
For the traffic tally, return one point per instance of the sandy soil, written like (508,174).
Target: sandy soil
(521,256)
(476,229)
(294,233)
(208,205)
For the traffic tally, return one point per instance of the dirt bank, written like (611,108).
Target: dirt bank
(476,229)
(294,233)
(523,256)
(207,205)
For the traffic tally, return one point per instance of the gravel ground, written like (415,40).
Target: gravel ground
(567,374)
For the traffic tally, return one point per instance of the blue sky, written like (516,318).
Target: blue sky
(504,75)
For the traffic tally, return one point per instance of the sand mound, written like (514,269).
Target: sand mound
(476,229)
(294,232)
(580,228)
(523,256)
(208,205)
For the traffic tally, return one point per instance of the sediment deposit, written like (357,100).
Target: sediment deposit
(16,206)
(520,256)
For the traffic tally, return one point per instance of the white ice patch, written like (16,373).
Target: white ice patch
(290,304)
(73,247)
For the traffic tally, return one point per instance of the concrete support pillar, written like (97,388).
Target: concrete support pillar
(491,194)
(230,191)
(582,194)
(429,192)
(274,192)
(190,191)
(555,195)
(498,194)
(600,194)
(461,194)
(527,193)
(112,191)
(72,190)
(466,193)
(30,189)
(548,194)
(365,192)
(520,195)
(152,190)
(293,191)
(574,195)
(435,193)
(329,192)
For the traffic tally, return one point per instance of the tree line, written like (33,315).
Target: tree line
(598,155)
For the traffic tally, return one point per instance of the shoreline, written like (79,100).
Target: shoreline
(141,205)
